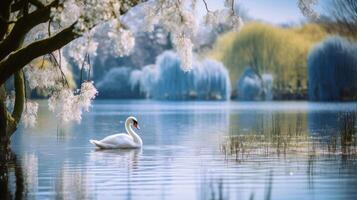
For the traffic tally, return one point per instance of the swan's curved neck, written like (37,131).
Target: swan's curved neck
(132,133)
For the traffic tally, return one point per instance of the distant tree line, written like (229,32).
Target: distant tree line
(264,48)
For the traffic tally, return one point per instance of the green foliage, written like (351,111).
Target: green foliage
(268,49)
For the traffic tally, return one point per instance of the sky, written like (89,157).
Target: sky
(273,11)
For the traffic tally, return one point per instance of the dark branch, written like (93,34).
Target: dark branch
(22,27)
(5,15)
(5,21)
(37,3)
(21,4)
(18,59)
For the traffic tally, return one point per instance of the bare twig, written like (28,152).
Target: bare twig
(206,5)
(49,27)
(64,78)
(233,7)
(90,67)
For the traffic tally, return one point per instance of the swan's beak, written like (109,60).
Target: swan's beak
(136,125)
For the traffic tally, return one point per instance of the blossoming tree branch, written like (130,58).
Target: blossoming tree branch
(32,33)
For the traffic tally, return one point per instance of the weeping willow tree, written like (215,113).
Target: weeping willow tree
(268,49)
(208,79)
(333,70)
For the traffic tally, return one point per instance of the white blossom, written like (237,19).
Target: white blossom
(29,115)
(70,106)
(150,19)
(178,18)
(87,94)
(44,73)
(67,14)
(92,47)
(124,39)
(80,48)
(306,7)
(225,16)
(236,23)
(212,18)
(86,13)
(42,77)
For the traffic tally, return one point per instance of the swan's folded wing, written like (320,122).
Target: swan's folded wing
(101,145)
(111,138)
(122,140)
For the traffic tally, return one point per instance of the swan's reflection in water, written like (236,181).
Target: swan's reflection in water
(104,170)
(112,168)
(122,158)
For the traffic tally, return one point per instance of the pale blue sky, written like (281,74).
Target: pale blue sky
(273,11)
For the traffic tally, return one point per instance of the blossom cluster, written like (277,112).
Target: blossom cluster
(42,77)
(80,49)
(46,72)
(85,14)
(69,106)
(306,7)
(29,116)
(225,16)
(123,38)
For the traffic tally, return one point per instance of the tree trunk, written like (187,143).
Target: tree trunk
(8,123)
(4,139)
(5,156)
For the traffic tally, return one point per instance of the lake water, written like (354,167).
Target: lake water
(192,150)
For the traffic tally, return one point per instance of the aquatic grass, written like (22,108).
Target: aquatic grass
(348,133)
(273,140)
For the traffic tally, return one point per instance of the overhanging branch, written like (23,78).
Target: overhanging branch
(20,4)
(18,59)
(22,26)
(5,15)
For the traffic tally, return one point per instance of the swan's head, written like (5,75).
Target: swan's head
(134,122)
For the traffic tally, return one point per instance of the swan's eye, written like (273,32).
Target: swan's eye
(135,124)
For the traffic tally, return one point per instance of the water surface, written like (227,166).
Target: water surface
(182,157)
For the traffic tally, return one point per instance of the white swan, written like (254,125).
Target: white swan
(121,140)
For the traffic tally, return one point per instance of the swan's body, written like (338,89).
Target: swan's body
(121,140)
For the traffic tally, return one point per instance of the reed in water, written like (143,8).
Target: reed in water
(273,140)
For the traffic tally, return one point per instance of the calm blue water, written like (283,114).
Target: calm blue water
(182,156)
